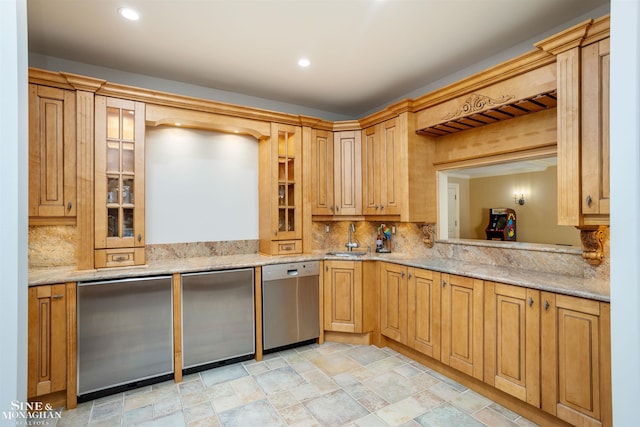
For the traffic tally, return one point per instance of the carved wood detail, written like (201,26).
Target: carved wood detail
(592,239)
(477,103)
(429,231)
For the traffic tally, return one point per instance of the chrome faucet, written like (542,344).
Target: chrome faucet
(351,244)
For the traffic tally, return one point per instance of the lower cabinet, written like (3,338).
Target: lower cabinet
(393,302)
(512,340)
(424,305)
(343,296)
(462,324)
(51,344)
(576,359)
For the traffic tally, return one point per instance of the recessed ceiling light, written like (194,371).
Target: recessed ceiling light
(304,62)
(128,13)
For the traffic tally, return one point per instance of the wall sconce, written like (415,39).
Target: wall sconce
(518,200)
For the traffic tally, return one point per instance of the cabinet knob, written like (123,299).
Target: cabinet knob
(588,200)
(139,237)
(546,305)
(326,268)
(331,208)
(530,301)
(337,208)
(69,205)
(402,274)
(444,283)
(381,207)
(408,275)
(375,206)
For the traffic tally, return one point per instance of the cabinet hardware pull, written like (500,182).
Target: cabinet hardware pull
(120,258)
(58,296)
(69,205)
(444,283)
(337,208)
(375,206)
(381,207)
(530,302)
(546,305)
(402,274)
(139,237)
(326,268)
(275,233)
(331,208)
(408,275)
(589,200)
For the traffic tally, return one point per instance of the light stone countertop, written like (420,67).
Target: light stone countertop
(558,283)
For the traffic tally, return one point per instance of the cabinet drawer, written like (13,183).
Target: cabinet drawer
(119,257)
(285,247)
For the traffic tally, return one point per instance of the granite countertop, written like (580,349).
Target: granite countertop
(558,283)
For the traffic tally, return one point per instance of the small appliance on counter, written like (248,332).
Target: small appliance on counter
(383,240)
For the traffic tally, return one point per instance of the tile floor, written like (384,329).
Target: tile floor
(329,385)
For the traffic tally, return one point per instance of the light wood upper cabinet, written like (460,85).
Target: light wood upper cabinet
(51,344)
(52,155)
(582,61)
(381,169)
(595,132)
(343,296)
(576,360)
(119,182)
(462,324)
(322,159)
(393,301)
(347,173)
(280,191)
(424,306)
(512,340)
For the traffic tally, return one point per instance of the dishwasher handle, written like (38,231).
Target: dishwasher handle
(292,272)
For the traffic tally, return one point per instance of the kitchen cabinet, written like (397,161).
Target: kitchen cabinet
(322,160)
(393,301)
(347,175)
(51,344)
(595,132)
(462,324)
(583,123)
(336,170)
(280,191)
(424,306)
(344,301)
(119,182)
(576,359)
(512,340)
(52,155)
(410,307)
(381,169)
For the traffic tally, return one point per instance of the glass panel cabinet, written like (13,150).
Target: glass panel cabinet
(281,191)
(119,182)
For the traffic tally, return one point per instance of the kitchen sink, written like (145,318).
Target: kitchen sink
(347,253)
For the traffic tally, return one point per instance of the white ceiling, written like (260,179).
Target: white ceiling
(364,53)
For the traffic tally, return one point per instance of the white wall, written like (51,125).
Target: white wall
(13,211)
(200,186)
(625,205)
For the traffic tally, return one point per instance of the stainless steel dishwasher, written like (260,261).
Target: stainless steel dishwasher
(218,318)
(125,335)
(290,304)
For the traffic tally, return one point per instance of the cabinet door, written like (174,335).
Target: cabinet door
(322,173)
(595,129)
(576,360)
(52,152)
(119,175)
(287,150)
(393,301)
(348,173)
(371,176)
(424,311)
(462,324)
(381,172)
(343,296)
(47,332)
(512,340)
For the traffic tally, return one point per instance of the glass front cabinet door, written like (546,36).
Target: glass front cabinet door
(281,191)
(119,182)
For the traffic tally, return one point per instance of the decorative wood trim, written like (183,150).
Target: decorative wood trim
(592,239)
(85,177)
(476,103)
(565,40)
(429,231)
